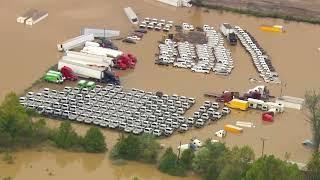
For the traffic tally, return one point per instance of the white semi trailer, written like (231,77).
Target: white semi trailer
(100,51)
(98,33)
(89,57)
(75,42)
(83,70)
(131,15)
(86,62)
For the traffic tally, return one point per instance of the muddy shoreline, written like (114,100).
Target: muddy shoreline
(300,11)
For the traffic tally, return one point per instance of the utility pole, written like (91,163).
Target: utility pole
(263,140)
(179,152)
(285,84)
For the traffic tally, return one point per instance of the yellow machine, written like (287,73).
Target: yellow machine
(238,104)
(275,28)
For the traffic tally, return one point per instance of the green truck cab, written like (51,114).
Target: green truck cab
(53,77)
(86,84)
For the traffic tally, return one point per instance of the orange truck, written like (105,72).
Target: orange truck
(233,129)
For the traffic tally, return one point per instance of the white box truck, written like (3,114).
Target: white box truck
(75,42)
(102,51)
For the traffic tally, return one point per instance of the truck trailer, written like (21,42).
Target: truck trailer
(86,62)
(37,17)
(131,15)
(100,33)
(90,57)
(100,51)
(83,70)
(22,18)
(228,31)
(75,42)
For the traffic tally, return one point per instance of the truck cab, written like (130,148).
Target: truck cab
(53,78)
(68,73)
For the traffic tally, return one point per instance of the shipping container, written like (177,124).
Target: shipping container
(291,102)
(86,62)
(75,42)
(233,129)
(238,104)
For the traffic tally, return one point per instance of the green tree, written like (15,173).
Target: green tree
(271,168)
(237,163)
(210,160)
(127,148)
(66,137)
(313,166)
(168,163)
(186,159)
(142,148)
(313,105)
(149,148)
(94,141)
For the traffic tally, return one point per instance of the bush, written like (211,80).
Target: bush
(66,137)
(94,141)
(313,166)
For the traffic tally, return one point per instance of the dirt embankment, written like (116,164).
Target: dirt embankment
(304,9)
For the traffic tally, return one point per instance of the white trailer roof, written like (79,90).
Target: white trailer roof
(100,32)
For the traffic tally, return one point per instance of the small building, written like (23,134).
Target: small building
(22,18)
(37,17)
(131,15)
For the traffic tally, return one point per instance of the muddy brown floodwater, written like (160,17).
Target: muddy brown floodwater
(27,52)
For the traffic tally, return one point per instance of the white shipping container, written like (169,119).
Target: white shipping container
(83,70)
(291,102)
(102,51)
(75,42)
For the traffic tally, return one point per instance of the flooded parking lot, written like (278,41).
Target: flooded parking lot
(28,52)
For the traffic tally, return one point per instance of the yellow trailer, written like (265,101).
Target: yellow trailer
(233,129)
(275,28)
(238,104)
